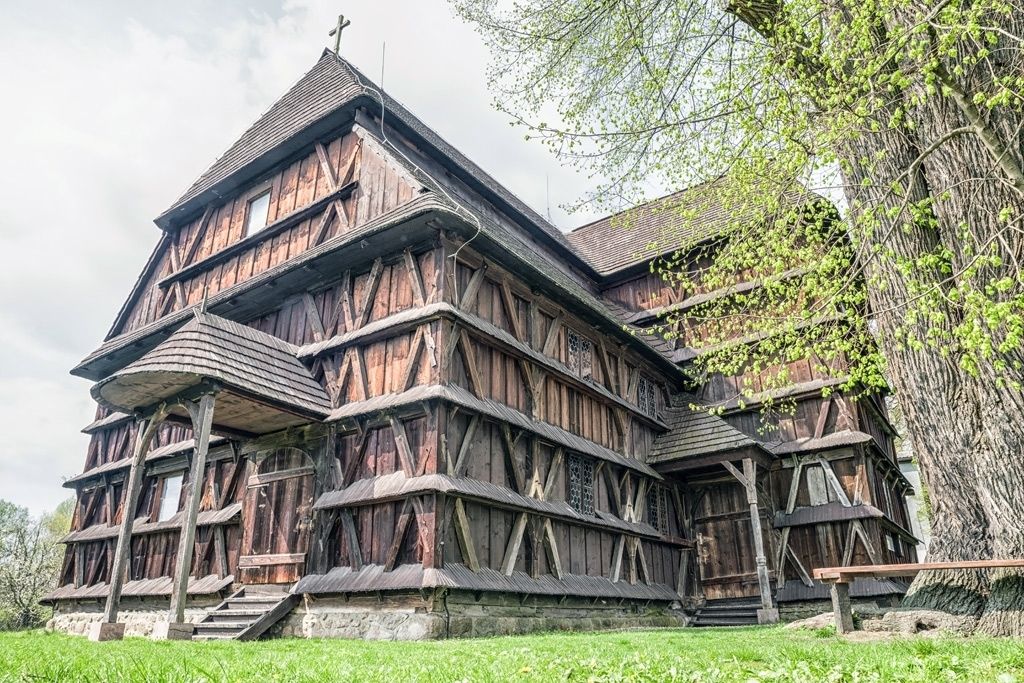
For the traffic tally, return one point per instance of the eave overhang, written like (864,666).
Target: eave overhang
(413,222)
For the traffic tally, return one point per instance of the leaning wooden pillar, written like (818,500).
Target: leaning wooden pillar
(768,614)
(202,420)
(108,628)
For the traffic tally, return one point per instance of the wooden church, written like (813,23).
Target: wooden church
(361,390)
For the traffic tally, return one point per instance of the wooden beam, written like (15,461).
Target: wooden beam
(190,252)
(510,310)
(220,550)
(750,479)
(645,574)
(373,281)
(313,317)
(359,372)
(617,558)
(518,474)
(467,441)
(345,301)
(404,517)
(325,167)
(552,335)
(357,455)
(419,294)
(469,358)
(551,545)
(819,428)
(348,525)
(405,454)
(614,489)
(320,234)
(556,465)
(801,571)
(794,487)
(473,288)
(515,540)
(144,437)
(684,570)
(202,421)
(833,480)
(737,474)
(411,361)
(465,536)
(352,165)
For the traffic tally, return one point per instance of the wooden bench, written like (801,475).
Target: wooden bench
(840,578)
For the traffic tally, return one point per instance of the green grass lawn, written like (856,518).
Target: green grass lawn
(739,654)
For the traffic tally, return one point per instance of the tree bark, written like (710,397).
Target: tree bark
(944,418)
(919,377)
(971,190)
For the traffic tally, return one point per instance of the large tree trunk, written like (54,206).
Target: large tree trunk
(971,191)
(943,420)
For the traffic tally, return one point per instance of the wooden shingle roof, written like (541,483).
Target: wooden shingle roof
(677,221)
(321,91)
(696,433)
(209,348)
(315,104)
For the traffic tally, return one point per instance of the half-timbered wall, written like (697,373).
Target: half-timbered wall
(99,511)
(322,192)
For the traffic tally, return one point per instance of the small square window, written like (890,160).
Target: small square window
(647,396)
(256,213)
(170,495)
(889,544)
(581,485)
(581,354)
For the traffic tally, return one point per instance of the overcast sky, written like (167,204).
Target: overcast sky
(111,109)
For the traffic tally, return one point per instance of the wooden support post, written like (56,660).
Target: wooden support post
(841,606)
(202,421)
(108,628)
(768,614)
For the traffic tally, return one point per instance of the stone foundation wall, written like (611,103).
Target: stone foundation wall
(796,611)
(460,615)
(138,614)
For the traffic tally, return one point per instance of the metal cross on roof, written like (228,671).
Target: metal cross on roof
(336,32)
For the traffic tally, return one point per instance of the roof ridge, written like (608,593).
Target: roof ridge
(644,204)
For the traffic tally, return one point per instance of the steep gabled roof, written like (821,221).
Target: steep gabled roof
(322,90)
(678,221)
(320,101)
(638,234)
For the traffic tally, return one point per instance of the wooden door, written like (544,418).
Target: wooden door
(725,552)
(276,517)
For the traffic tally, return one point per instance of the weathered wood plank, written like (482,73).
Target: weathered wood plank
(465,536)
(515,541)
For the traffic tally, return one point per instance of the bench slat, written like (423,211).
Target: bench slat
(831,574)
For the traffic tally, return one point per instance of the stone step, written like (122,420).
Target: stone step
(733,602)
(254,612)
(221,626)
(702,620)
(262,604)
(729,612)
(220,618)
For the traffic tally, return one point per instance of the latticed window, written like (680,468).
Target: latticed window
(581,485)
(647,396)
(657,508)
(581,354)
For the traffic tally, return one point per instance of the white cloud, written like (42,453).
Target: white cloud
(112,109)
